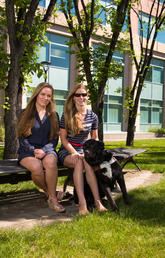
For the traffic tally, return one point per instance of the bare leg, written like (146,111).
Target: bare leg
(39,176)
(35,166)
(51,173)
(78,181)
(91,179)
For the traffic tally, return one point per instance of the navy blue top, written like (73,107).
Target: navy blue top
(39,139)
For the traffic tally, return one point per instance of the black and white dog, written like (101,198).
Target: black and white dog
(107,169)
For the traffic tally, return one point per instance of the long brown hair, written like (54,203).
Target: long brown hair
(27,118)
(72,120)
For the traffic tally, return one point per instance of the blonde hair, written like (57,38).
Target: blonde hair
(73,122)
(27,118)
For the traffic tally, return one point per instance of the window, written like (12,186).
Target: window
(56,51)
(42,3)
(143,31)
(151,104)
(113,100)
(105,13)
(60,97)
(106,5)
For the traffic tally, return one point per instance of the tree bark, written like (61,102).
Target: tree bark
(130,131)
(10,118)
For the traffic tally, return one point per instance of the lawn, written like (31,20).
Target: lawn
(136,231)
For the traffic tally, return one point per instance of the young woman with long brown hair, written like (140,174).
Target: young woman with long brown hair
(76,124)
(38,132)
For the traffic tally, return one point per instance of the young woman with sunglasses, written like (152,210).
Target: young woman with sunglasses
(77,122)
(38,132)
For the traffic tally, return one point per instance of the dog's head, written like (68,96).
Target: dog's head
(95,153)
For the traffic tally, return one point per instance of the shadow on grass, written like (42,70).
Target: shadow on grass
(147,205)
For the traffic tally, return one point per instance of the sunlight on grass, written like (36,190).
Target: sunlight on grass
(136,231)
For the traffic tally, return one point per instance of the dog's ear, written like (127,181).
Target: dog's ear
(101,145)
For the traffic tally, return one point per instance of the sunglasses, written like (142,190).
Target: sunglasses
(80,94)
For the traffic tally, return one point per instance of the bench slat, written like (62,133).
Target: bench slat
(11,172)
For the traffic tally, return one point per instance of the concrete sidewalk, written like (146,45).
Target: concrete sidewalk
(35,211)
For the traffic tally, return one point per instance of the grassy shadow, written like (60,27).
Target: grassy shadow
(147,205)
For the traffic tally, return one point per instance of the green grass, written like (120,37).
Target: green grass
(136,231)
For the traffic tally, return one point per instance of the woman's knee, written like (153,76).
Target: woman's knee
(33,165)
(50,162)
(37,170)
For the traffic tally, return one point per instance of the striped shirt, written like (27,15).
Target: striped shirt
(90,123)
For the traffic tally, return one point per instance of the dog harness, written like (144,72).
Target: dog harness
(107,165)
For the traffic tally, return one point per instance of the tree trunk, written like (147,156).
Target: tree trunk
(100,128)
(130,130)
(19,99)
(10,118)
(97,108)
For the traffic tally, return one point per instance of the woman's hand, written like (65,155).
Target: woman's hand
(39,153)
(76,157)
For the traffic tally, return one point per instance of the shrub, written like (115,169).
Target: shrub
(157,130)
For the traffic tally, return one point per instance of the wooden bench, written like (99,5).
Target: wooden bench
(11,172)
(126,155)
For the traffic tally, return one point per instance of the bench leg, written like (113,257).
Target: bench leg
(67,181)
(131,160)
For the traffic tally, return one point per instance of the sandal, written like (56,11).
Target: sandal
(58,208)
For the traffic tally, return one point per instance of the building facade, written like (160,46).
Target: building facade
(62,74)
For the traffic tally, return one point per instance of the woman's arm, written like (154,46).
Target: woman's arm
(94,134)
(67,145)
(51,146)
(25,145)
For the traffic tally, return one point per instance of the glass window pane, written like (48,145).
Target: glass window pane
(60,107)
(115,114)
(156,116)
(157,75)
(59,56)
(42,3)
(105,113)
(144,29)
(59,78)
(44,53)
(149,75)
(145,115)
